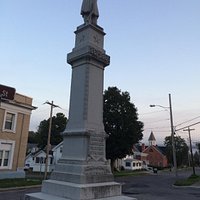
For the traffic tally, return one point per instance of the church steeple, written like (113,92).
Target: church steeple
(152,139)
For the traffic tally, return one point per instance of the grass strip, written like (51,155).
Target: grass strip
(189,181)
(8,183)
(128,173)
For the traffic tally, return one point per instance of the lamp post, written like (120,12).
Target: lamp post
(172,132)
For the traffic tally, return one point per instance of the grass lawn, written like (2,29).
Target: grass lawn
(189,181)
(128,173)
(8,183)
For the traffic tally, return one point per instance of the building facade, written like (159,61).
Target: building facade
(36,160)
(15,115)
(155,155)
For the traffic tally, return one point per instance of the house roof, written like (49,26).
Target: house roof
(57,146)
(158,149)
(132,160)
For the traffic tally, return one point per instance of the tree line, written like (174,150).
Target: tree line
(120,119)
(123,129)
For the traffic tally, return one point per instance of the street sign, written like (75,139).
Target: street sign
(7,92)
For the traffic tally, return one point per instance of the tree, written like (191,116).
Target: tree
(58,126)
(196,158)
(32,137)
(121,124)
(181,150)
(198,147)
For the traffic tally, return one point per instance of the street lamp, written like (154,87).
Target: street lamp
(172,132)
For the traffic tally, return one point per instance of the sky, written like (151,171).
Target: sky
(154,47)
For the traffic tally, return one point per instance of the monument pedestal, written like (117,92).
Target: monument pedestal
(83,172)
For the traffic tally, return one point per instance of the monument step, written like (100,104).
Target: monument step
(43,196)
(81,191)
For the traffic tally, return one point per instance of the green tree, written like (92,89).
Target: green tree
(58,126)
(198,147)
(181,150)
(32,137)
(196,158)
(121,124)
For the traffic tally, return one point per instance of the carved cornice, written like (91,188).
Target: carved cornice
(88,53)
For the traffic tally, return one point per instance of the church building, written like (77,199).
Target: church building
(155,154)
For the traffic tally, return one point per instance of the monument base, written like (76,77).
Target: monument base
(59,190)
(43,196)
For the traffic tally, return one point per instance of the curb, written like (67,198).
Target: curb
(189,186)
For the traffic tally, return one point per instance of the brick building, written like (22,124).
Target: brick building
(155,154)
(15,112)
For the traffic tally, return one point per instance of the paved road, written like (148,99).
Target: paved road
(144,187)
(17,194)
(158,187)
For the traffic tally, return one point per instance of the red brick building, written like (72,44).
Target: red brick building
(156,156)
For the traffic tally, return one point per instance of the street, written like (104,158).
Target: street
(17,194)
(143,187)
(158,187)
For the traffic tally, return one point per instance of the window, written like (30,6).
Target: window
(128,164)
(10,119)
(4,158)
(37,160)
(51,160)
(6,154)
(40,160)
(1,157)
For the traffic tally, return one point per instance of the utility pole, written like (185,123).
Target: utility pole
(192,158)
(49,137)
(172,135)
(172,132)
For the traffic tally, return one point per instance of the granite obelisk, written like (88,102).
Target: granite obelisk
(83,172)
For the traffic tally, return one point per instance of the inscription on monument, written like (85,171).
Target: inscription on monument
(96,149)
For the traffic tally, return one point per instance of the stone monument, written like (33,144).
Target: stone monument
(83,172)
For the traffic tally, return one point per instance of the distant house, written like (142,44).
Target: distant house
(36,161)
(15,112)
(144,156)
(57,153)
(132,164)
(136,161)
(156,155)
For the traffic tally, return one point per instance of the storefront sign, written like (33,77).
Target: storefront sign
(7,92)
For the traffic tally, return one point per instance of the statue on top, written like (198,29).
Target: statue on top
(89,11)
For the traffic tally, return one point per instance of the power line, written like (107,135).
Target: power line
(148,113)
(188,121)
(187,126)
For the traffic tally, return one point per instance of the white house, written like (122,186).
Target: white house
(57,153)
(130,163)
(36,161)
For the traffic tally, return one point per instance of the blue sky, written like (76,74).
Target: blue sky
(154,47)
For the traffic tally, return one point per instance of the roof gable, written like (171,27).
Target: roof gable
(156,148)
